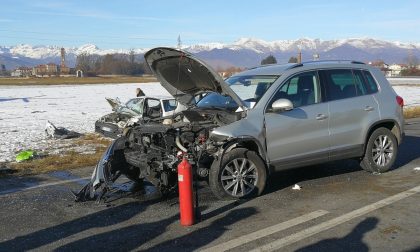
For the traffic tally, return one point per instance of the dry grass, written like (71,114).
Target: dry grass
(65,161)
(74,80)
(70,160)
(411,112)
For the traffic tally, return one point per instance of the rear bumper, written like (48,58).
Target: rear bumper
(108,129)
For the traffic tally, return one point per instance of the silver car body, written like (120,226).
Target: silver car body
(316,133)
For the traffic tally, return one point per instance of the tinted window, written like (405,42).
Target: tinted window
(372,87)
(359,80)
(302,90)
(340,84)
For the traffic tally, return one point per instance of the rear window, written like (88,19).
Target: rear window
(372,87)
(346,83)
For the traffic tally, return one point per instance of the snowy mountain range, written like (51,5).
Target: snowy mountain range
(244,52)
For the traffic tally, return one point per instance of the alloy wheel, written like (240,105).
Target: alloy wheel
(382,150)
(239,177)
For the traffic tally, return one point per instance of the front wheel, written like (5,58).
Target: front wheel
(381,151)
(241,174)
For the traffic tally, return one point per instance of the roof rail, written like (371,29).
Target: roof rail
(326,62)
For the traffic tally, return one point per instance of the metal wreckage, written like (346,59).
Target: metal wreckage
(152,148)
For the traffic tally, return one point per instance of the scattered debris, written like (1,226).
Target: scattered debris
(59,132)
(25,155)
(296,187)
(417,169)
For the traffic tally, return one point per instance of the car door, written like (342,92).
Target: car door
(300,136)
(352,110)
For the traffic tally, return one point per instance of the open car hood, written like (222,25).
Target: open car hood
(115,103)
(185,76)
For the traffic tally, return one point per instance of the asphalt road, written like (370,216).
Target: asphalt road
(339,207)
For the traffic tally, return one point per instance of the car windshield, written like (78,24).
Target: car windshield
(216,100)
(250,88)
(135,105)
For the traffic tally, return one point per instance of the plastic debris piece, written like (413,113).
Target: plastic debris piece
(296,187)
(25,155)
(59,132)
(417,169)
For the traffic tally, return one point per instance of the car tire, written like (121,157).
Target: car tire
(380,151)
(229,180)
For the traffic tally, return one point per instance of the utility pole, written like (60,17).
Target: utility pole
(179,42)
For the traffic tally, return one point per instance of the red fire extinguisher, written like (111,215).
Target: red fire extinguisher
(185,186)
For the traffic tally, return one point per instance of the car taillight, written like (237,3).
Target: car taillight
(400,101)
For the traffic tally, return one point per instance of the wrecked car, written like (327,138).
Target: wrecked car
(256,122)
(112,125)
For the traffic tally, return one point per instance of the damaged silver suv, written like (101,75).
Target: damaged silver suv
(259,121)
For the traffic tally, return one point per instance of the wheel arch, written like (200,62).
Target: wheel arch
(390,124)
(249,143)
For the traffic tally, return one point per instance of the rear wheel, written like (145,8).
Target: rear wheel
(241,174)
(381,151)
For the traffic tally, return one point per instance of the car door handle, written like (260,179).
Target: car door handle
(369,108)
(321,117)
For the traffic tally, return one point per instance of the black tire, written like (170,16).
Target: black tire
(250,183)
(380,152)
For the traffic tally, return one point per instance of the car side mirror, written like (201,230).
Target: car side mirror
(282,105)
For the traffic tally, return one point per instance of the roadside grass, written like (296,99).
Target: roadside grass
(75,80)
(411,112)
(65,161)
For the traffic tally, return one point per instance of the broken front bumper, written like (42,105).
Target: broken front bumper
(104,174)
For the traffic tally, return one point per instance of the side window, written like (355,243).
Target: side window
(169,105)
(359,80)
(153,108)
(302,90)
(340,84)
(372,87)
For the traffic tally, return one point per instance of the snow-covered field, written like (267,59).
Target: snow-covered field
(404,81)
(24,110)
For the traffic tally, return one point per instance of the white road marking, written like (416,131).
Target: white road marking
(17,190)
(277,245)
(266,231)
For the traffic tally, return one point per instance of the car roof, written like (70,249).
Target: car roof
(159,97)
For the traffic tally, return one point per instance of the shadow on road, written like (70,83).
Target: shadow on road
(104,218)
(131,237)
(409,150)
(351,242)
(205,235)
(287,178)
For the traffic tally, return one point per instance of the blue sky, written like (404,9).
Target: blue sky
(144,24)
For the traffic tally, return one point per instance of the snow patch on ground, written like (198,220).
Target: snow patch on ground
(24,111)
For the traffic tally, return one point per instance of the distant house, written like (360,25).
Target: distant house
(395,69)
(22,72)
(45,70)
